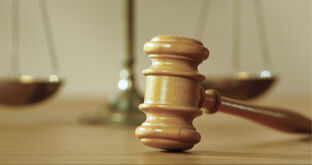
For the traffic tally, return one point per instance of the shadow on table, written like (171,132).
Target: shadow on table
(252,154)
(282,143)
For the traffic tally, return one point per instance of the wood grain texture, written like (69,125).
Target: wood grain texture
(277,118)
(174,97)
(50,134)
(172,93)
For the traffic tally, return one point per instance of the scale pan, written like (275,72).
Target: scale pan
(242,88)
(27,90)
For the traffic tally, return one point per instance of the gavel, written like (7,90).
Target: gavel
(174,97)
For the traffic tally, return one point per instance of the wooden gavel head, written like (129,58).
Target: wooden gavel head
(173,93)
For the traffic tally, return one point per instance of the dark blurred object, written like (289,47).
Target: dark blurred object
(26,91)
(238,87)
(21,89)
(242,85)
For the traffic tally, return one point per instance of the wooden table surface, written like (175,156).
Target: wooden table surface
(50,133)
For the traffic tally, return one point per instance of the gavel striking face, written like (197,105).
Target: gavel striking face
(174,97)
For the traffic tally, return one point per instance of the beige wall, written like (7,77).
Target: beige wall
(88,37)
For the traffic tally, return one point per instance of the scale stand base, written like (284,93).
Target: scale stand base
(122,109)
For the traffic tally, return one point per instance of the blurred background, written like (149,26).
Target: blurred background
(89,42)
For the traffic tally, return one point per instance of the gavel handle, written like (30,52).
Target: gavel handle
(276,118)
